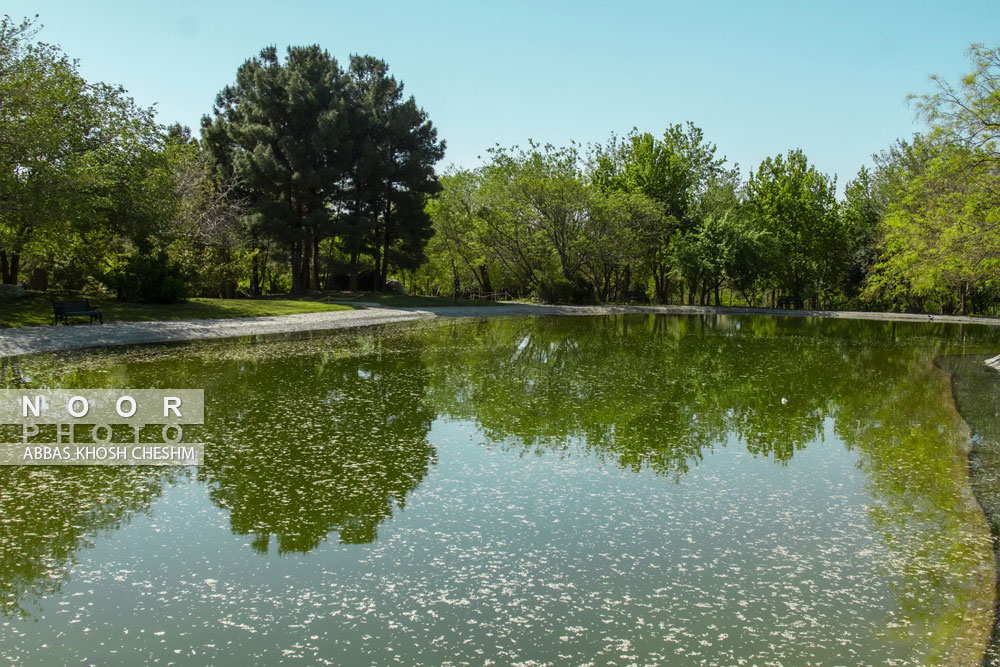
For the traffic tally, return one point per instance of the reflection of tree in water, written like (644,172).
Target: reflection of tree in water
(304,435)
(656,392)
(330,433)
(652,391)
(976,389)
(49,513)
(910,444)
(307,440)
(305,445)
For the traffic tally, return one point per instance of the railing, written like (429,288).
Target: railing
(480,295)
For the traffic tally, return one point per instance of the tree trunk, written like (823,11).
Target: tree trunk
(9,267)
(661,285)
(383,274)
(485,278)
(352,285)
(254,271)
(964,290)
(296,259)
(304,266)
(315,262)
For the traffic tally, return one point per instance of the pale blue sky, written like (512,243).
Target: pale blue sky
(758,77)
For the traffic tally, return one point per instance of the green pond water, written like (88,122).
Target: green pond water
(617,490)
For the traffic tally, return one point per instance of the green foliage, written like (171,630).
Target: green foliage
(356,165)
(862,211)
(796,206)
(555,290)
(313,175)
(77,160)
(940,248)
(560,290)
(674,171)
(153,278)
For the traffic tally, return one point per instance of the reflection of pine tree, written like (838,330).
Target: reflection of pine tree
(305,446)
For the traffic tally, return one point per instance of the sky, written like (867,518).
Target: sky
(760,78)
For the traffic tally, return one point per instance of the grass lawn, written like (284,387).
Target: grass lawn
(36,308)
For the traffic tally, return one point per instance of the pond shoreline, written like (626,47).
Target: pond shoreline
(31,340)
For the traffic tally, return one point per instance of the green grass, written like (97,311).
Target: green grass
(36,308)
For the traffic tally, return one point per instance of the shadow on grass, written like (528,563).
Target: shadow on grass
(36,308)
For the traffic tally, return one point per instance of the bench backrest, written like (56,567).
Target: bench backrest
(71,306)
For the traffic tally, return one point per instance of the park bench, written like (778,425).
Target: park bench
(63,310)
(639,296)
(790,302)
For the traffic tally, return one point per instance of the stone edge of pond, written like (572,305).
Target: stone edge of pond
(979,478)
(31,340)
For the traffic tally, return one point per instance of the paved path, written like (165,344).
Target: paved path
(29,340)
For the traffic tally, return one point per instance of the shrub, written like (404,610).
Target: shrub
(555,290)
(153,278)
(560,290)
(583,293)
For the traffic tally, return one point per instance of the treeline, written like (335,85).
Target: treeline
(666,216)
(307,175)
(310,175)
(662,215)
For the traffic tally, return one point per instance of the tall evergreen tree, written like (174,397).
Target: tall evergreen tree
(392,171)
(323,153)
(281,130)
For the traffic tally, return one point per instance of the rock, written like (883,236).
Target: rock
(12,291)
(994,363)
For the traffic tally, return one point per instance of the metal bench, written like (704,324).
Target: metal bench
(63,310)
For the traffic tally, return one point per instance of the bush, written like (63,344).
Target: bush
(584,293)
(150,279)
(560,290)
(555,290)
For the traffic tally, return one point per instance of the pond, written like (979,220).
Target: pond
(614,490)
